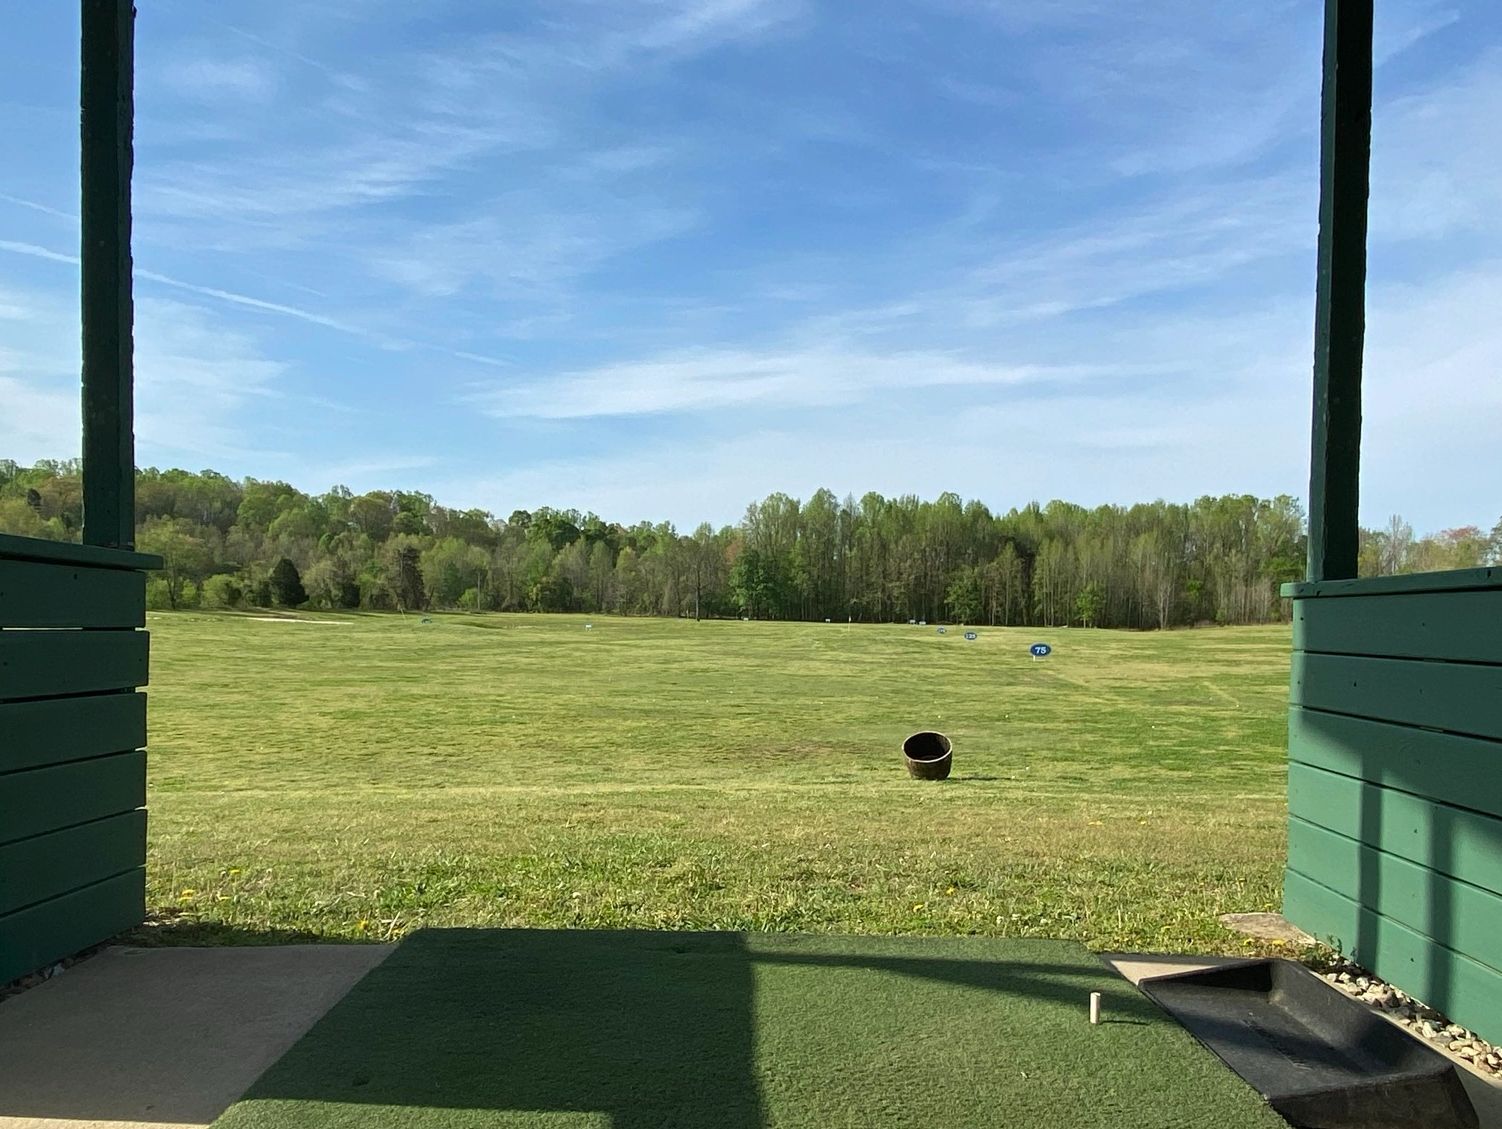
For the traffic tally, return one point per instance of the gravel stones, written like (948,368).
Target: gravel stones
(1419,1018)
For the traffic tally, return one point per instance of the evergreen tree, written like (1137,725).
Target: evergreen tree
(286,585)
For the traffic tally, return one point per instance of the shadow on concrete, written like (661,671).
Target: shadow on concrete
(168,1035)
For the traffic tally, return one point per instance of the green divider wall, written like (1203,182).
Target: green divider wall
(72,731)
(1395,783)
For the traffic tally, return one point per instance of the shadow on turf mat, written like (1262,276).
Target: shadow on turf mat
(647,1030)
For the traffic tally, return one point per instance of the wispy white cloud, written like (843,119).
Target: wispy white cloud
(1182,241)
(45,209)
(40,420)
(1401,24)
(713,380)
(437,113)
(32,250)
(194,378)
(524,247)
(216,78)
(254,303)
(1436,161)
(1115,448)
(13,306)
(377,338)
(584,39)
(285,188)
(360,470)
(1432,398)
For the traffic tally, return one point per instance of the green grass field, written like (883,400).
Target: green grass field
(358,780)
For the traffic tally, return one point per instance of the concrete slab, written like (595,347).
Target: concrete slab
(1267,927)
(1139,966)
(138,1038)
(1485,1094)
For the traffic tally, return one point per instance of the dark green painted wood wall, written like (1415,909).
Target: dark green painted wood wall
(72,731)
(1395,783)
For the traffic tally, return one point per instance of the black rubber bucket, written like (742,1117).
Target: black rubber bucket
(928,755)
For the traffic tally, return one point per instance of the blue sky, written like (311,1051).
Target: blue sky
(657,258)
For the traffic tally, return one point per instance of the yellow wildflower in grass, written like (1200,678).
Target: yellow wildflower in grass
(362,925)
(919,906)
(187,894)
(949,890)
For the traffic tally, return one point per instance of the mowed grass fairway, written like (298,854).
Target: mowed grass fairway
(360,778)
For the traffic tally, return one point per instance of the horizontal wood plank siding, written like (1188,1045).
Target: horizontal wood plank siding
(1455,841)
(1395,783)
(47,866)
(1456,914)
(1469,992)
(46,799)
(37,935)
(50,664)
(72,727)
(40,594)
(14,548)
(1463,771)
(1451,626)
(48,731)
(1453,580)
(1455,697)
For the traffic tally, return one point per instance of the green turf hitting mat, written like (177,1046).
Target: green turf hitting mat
(558,1029)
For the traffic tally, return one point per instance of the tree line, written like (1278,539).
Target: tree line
(253,543)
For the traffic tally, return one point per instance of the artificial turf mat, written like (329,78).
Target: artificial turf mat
(644,1030)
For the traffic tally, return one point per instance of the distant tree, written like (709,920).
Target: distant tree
(551,594)
(601,575)
(1089,604)
(286,585)
(222,592)
(1397,546)
(1466,547)
(556,527)
(186,549)
(329,584)
(965,599)
(759,584)
(410,591)
(450,567)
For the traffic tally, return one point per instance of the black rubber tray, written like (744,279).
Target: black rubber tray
(1320,1058)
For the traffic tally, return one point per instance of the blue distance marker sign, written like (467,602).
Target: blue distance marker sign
(972,636)
(1041,650)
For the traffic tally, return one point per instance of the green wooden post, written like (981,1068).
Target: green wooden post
(1340,307)
(107,108)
